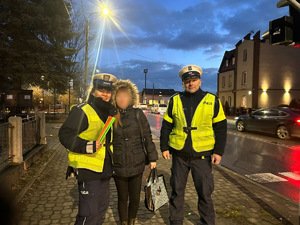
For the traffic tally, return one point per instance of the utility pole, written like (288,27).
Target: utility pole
(86,57)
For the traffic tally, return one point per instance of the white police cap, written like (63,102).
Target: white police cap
(104,80)
(190,71)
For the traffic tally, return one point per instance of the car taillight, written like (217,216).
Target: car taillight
(298,121)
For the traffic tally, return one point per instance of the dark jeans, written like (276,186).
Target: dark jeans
(128,186)
(203,180)
(93,202)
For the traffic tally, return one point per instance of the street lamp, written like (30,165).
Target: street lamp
(145,71)
(104,12)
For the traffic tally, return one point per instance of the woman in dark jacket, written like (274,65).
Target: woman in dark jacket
(128,152)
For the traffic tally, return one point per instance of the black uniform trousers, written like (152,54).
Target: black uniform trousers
(201,170)
(93,201)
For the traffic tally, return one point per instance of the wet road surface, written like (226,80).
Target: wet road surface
(262,158)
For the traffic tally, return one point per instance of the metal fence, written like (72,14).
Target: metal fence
(5,156)
(30,133)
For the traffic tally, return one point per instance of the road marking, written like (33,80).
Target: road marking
(290,175)
(265,178)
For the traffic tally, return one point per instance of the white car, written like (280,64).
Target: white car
(159,108)
(142,106)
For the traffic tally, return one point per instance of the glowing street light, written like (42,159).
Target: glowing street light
(105,11)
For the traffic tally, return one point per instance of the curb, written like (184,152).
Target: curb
(230,172)
(22,193)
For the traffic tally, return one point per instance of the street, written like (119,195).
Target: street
(262,158)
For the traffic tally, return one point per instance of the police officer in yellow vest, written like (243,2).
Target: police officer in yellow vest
(91,160)
(194,131)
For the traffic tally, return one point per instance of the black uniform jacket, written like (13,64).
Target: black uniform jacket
(190,101)
(129,155)
(76,123)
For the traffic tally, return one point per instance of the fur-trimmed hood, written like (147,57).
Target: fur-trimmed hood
(133,90)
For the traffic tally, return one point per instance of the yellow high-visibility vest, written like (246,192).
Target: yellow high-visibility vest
(94,161)
(202,133)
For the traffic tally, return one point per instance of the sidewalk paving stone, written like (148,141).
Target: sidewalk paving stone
(54,200)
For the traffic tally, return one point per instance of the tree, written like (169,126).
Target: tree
(34,37)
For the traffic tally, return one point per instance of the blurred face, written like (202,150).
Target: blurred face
(104,94)
(191,85)
(123,98)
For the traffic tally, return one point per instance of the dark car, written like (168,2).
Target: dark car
(283,122)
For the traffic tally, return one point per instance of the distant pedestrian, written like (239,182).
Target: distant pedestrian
(128,154)
(194,132)
(90,160)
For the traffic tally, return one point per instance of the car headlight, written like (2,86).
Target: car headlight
(236,118)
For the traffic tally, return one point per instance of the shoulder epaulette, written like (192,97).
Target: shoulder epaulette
(80,105)
(177,93)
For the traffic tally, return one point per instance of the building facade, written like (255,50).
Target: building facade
(156,96)
(256,74)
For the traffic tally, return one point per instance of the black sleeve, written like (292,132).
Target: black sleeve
(68,134)
(220,130)
(166,129)
(217,107)
(150,146)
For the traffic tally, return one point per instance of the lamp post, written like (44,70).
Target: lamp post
(145,71)
(43,78)
(105,12)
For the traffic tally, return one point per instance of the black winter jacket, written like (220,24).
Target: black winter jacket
(76,123)
(128,153)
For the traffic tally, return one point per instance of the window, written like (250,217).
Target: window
(230,81)
(281,113)
(233,61)
(244,101)
(245,55)
(244,78)
(229,101)
(223,100)
(272,112)
(258,113)
(223,82)
(226,62)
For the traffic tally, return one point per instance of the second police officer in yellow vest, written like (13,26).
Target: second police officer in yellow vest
(194,132)
(91,161)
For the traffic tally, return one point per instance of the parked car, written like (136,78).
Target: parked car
(159,108)
(142,106)
(283,122)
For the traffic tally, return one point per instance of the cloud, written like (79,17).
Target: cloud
(206,25)
(161,74)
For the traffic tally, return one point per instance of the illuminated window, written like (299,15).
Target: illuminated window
(244,78)
(226,62)
(245,55)
(233,61)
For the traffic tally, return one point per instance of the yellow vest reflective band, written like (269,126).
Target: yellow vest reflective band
(95,161)
(202,135)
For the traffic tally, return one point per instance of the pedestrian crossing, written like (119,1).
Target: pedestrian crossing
(264,178)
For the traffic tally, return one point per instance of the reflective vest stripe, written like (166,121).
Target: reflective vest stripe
(221,115)
(166,116)
(94,161)
(203,136)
